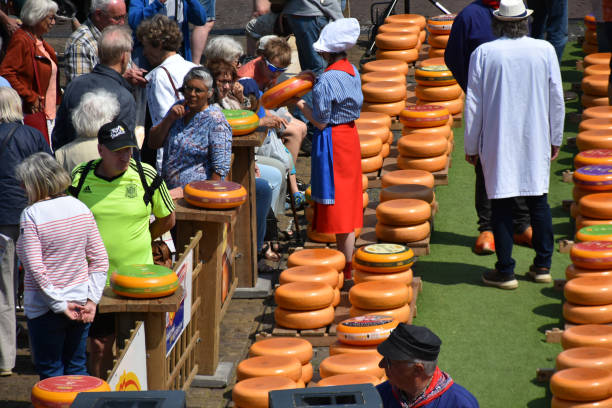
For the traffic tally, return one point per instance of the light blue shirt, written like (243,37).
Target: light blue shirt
(337,97)
(4,83)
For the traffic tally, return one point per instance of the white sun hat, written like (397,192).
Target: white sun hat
(512,10)
(338,36)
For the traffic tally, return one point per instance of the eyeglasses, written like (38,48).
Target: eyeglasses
(225,81)
(115,18)
(274,68)
(190,89)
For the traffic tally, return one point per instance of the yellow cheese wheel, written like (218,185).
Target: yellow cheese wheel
(253,392)
(407,55)
(598,112)
(595,233)
(431,164)
(386,150)
(438,93)
(436,52)
(593,157)
(370,145)
(364,182)
(383,91)
(431,61)
(348,379)
(444,130)
(310,273)
(399,28)
(434,75)
(371,164)
(396,41)
(303,320)
(561,403)
(396,177)
(215,194)
(260,366)
(582,221)
(317,256)
(365,330)
(589,290)
(374,129)
(386,66)
(401,313)
(423,145)
(415,19)
(379,295)
(389,108)
(596,70)
(581,384)
(587,357)
(581,314)
(424,116)
(593,100)
(373,118)
(383,258)
(241,121)
(403,234)
(595,85)
(304,295)
(595,124)
(598,205)
(599,58)
(592,254)
(594,139)
(590,36)
(307,373)
(438,40)
(454,106)
(440,24)
(283,346)
(349,364)
(296,86)
(573,271)
(415,191)
(404,211)
(62,390)
(377,76)
(596,335)
(341,348)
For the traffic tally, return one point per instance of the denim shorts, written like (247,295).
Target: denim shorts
(209,7)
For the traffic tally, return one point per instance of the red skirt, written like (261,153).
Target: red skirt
(346,214)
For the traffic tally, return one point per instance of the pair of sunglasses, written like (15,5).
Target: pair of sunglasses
(274,68)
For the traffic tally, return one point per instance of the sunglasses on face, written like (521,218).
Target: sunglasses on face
(274,68)
(189,89)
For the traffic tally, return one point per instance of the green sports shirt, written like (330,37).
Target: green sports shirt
(120,211)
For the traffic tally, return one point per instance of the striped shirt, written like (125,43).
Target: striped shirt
(62,254)
(82,50)
(337,97)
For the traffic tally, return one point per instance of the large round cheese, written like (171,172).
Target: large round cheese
(283,346)
(386,150)
(304,295)
(598,205)
(399,28)
(303,320)
(592,254)
(436,52)
(373,118)
(317,256)
(389,108)
(424,116)
(572,271)
(438,40)
(372,164)
(144,281)
(403,277)
(431,164)
(401,313)
(396,41)
(403,234)
(408,55)
(241,121)
(415,191)
(587,357)
(377,76)
(431,61)
(383,258)
(596,335)
(434,75)
(581,314)
(61,391)
(348,379)
(373,129)
(594,139)
(601,232)
(406,211)
(444,130)
(215,194)
(253,392)
(599,58)
(438,93)
(386,66)
(581,384)
(593,157)
(370,145)
(595,124)
(383,91)
(342,348)
(307,372)
(593,100)
(349,364)
(379,295)
(269,365)
(310,273)
(594,177)
(598,112)
(296,86)
(396,177)
(365,330)
(415,19)
(589,290)
(582,221)
(441,24)
(596,70)
(561,403)
(454,106)
(595,85)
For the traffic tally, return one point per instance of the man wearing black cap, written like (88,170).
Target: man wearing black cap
(410,356)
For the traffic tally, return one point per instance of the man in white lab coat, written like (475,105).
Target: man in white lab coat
(514,114)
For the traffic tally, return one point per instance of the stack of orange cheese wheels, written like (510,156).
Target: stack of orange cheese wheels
(61,391)
(381,298)
(253,392)
(270,365)
(386,98)
(395,45)
(405,28)
(365,123)
(286,346)
(403,220)
(409,19)
(590,45)
(590,356)
(304,305)
(313,273)
(439,28)
(436,85)
(319,256)
(581,387)
(595,79)
(383,262)
(595,138)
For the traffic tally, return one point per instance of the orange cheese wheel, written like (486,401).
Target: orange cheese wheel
(370,145)
(383,258)
(431,164)
(594,139)
(307,373)
(348,379)
(423,145)
(325,237)
(400,28)
(424,116)
(415,19)
(391,138)
(561,403)
(386,66)
(260,366)
(592,254)
(593,100)
(215,194)
(415,191)
(436,52)
(595,85)
(589,48)
(396,177)
(440,24)
(444,130)
(404,277)
(373,118)
(438,40)
(389,108)
(383,91)
(595,177)
(374,129)
(406,211)
(596,70)
(401,313)
(350,364)
(595,233)
(396,41)
(144,281)
(599,58)
(589,290)
(593,157)
(365,330)
(582,221)
(432,61)
(595,124)
(598,205)
(253,392)
(364,182)
(581,314)
(385,151)
(454,106)
(434,75)
(241,121)
(422,37)
(317,256)
(377,76)
(408,55)
(337,298)
(587,357)
(366,199)
(572,271)
(297,86)
(342,348)
(62,390)
(438,93)
(371,164)
(310,273)
(379,295)
(403,234)
(598,112)
(304,295)
(283,346)
(596,335)
(340,280)
(303,320)
(590,22)
(581,384)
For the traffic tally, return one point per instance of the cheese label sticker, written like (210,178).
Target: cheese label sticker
(385,249)
(601,170)
(367,321)
(596,153)
(593,246)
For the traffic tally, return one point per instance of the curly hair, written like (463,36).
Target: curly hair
(218,67)
(160,31)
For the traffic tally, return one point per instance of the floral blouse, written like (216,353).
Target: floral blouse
(196,150)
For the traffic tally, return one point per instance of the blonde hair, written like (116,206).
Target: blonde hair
(10,105)
(42,176)
(95,109)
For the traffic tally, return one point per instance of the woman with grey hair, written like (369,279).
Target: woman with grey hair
(65,265)
(30,64)
(223,48)
(96,108)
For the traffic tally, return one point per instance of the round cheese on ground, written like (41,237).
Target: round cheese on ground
(341,348)
(593,100)
(296,86)
(253,392)
(436,52)
(592,254)
(349,364)
(405,211)
(431,164)
(561,403)
(415,19)
(377,76)
(396,177)
(348,379)
(372,164)
(373,117)
(408,55)
(365,330)
(370,145)
(572,271)
(454,106)
(593,157)
(373,129)
(403,234)
(317,256)
(596,70)
(441,24)
(415,191)
(598,112)
(587,335)
(424,116)
(310,273)
(241,121)
(599,58)
(307,373)
(379,295)
(303,320)
(144,281)
(283,346)
(304,295)
(386,66)
(396,41)
(581,314)
(404,277)
(399,28)
(438,93)
(589,290)
(61,391)
(444,130)
(383,91)
(594,139)
(598,205)
(581,384)
(401,313)
(260,366)
(587,357)
(595,233)
(594,177)
(215,194)
(595,85)
(389,108)
(595,124)
(383,258)
(434,75)
(438,40)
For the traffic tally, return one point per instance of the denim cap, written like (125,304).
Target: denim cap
(408,342)
(338,36)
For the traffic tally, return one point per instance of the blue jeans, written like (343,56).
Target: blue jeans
(263,198)
(307,30)
(58,345)
(550,22)
(541,222)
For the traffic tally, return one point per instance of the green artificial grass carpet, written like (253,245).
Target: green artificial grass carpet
(493,340)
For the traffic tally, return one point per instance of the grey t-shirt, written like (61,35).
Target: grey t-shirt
(311,8)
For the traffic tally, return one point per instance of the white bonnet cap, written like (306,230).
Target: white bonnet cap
(338,36)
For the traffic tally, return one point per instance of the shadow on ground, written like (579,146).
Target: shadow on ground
(449,273)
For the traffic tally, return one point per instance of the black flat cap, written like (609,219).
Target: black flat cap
(408,342)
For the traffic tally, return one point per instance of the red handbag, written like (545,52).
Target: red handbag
(37,120)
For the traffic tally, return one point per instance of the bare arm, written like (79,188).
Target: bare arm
(307,111)
(161,225)
(158,133)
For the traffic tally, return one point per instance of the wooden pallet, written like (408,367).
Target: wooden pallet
(325,336)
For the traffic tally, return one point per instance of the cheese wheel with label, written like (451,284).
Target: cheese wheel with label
(365,330)
(587,335)
(370,145)
(404,277)
(438,40)
(595,124)
(423,145)
(593,157)
(421,177)
(383,258)
(594,177)
(440,24)
(596,70)
(303,320)
(587,357)
(454,106)
(581,384)
(283,346)
(431,164)
(348,379)
(598,112)
(310,273)
(372,164)
(424,116)
(401,313)
(581,314)
(215,194)
(383,91)
(598,58)
(573,271)
(400,28)
(341,348)
(304,295)
(373,129)
(595,233)
(415,19)
(379,295)
(349,364)
(598,205)
(317,256)
(373,118)
(444,130)
(62,390)
(406,211)
(595,85)
(253,392)
(589,290)
(407,55)
(434,75)
(438,93)
(377,76)
(436,52)
(582,221)
(396,41)
(144,281)
(386,66)
(561,403)
(260,366)
(389,108)
(592,254)
(296,86)
(416,191)
(403,234)
(593,100)
(594,139)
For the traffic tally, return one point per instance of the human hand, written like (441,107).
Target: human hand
(257,172)
(260,7)
(177,112)
(135,76)
(554,152)
(88,312)
(272,121)
(237,91)
(11,24)
(176,193)
(73,311)
(38,106)
(472,159)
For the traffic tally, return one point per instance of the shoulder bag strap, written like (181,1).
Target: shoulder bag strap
(7,138)
(176,94)
(74,191)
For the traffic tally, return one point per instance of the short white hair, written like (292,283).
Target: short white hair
(34,11)
(10,105)
(95,109)
(223,48)
(200,73)
(99,5)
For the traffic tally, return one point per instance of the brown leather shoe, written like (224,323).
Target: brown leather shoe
(524,238)
(485,244)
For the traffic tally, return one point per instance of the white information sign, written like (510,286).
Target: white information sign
(131,372)
(176,322)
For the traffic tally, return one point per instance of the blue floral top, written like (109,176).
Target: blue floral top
(196,150)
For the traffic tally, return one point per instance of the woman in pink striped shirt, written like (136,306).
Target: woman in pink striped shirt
(65,266)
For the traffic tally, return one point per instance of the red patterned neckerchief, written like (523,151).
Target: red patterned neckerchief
(494,4)
(440,383)
(342,65)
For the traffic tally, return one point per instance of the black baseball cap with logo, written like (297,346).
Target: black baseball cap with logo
(116,135)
